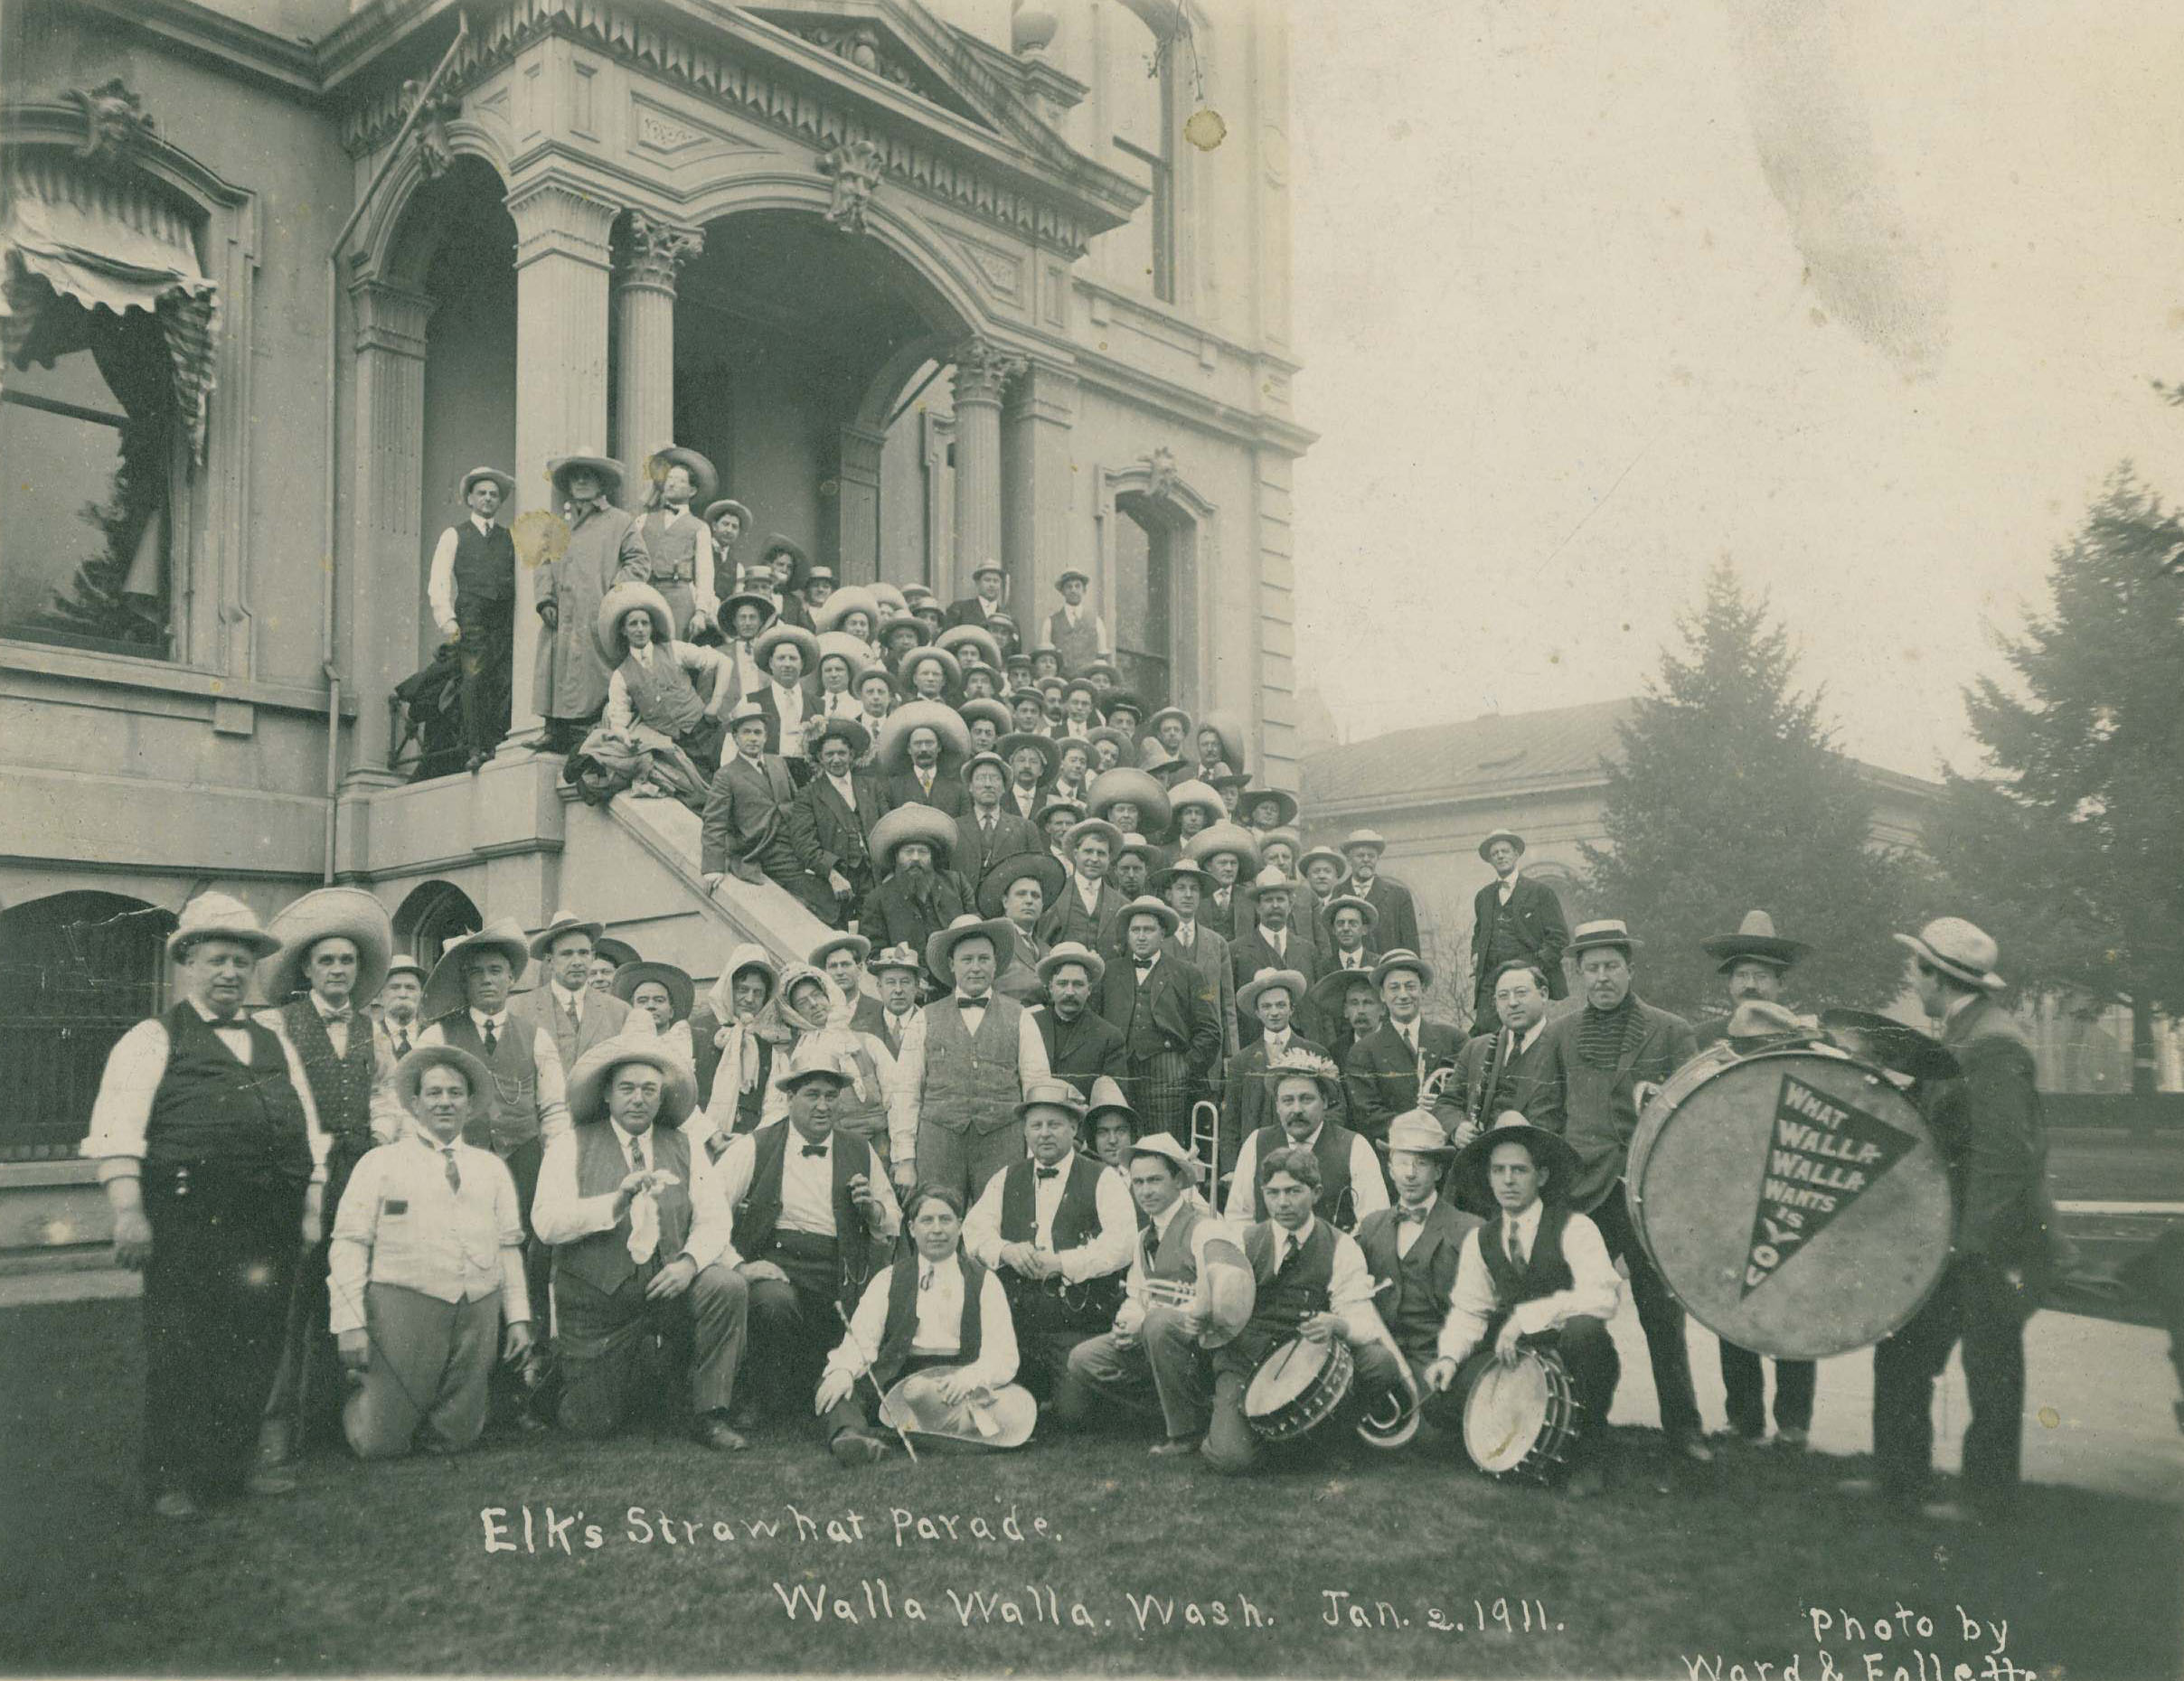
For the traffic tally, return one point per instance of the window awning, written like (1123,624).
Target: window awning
(103,240)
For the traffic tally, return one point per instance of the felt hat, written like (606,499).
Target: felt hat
(1392,963)
(940,948)
(833,643)
(1108,1098)
(1043,868)
(1891,1043)
(1510,835)
(1167,771)
(1126,781)
(1223,779)
(1608,933)
(984,567)
(728,504)
(1165,1145)
(444,992)
(1226,837)
(324,913)
(682,992)
(1071,951)
(1755,942)
(914,822)
(1094,826)
(994,712)
(768,612)
(1081,682)
(1350,901)
(775,635)
(404,965)
(218,917)
(616,952)
(1468,1175)
(903,956)
(1289,981)
(1145,904)
(849,598)
(605,468)
(962,640)
(1268,881)
(845,729)
(1323,851)
(617,604)
(1152,724)
(1331,991)
(1051,1093)
(937,716)
(1371,840)
(1122,700)
(588,1080)
(703,480)
(1204,795)
(506,481)
(1053,805)
(410,1071)
(855,945)
(1069,572)
(812,1061)
(1958,948)
(951,668)
(904,621)
(1184,869)
(1015,742)
(564,922)
(1282,837)
(1418,1132)
(1285,811)
(1105,667)
(1125,744)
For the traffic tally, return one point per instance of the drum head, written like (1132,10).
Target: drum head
(1793,1200)
(1284,1376)
(1504,1414)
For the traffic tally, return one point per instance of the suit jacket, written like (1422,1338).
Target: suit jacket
(1541,929)
(947,796)
(1220,918)
(1248,953)
(762,698)
(1179,1006)
(1599,1106)
(976,854)
(890,917)
(1441,1239)
(1247,1103)
(1065,920)
(1083,1050)
(603,1016)
(1524,1085)
(1382,1076)
(1989,1124)
(870,1017)
(753,811)
(971,610)
(1398,928)
(844,837)
(1019,977)
(1210,953)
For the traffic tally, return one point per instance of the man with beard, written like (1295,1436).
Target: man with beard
(1348,998)
(755,828)
(1514,919)
(1031,757)
(917,894)
(399,997)
(1081,1044)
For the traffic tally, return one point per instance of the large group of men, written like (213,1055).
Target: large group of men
(1103,1095)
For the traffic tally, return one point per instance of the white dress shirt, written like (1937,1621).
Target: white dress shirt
(1595,1290)
(439,588)
(1505,886)
(134,1069)
(552,1094)
(559,1216)
(788,703)
(940,1323)
(1351,960)
(807,1186)
(908,1096)
(401,1223)
(1368,1191)
(1211,1230)
(1107,1251)
(1407,1231)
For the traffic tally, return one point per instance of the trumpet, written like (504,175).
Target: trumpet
(1206,1140)
(1431,1086)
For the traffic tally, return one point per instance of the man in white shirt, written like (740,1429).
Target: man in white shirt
(1350,1182)
(1539,1275)
(638,1230)
(1057,1229)
(472,591)
(425,1269)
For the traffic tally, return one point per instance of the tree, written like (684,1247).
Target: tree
(2069,847)
(1730,796)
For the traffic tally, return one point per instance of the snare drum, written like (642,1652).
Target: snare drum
(1793,1200)
(1298,1387)
(1519,1420)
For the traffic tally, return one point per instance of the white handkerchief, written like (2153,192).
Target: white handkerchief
(643,1226)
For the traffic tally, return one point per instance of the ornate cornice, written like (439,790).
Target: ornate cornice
(652,252)
(854,168)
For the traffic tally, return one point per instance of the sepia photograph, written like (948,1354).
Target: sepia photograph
(1137,838)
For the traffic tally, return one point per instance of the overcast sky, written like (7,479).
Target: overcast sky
(1592,295)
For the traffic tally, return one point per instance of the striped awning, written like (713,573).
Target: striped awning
(104,239)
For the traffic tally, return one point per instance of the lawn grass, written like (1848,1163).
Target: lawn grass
(386,1569)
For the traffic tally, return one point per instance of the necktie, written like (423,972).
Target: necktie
(1289,1251)
(637,1155)
(455,1174)
(814,1149)
(1045,1173)
(925,1277)
(402,1044)
(1513,1244)
(568,1008)
(492,1037)
(986,824)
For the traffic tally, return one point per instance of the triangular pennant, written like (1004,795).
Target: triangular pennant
(1822,1155)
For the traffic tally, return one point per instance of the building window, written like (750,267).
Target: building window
(432,918)
(1145,122)
(1144,549)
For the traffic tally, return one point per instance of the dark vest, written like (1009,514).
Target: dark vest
(602,1260)
(662,694)
(1077,647)
(971,1084)
(1076,1221)
(341,1086)
(1285,1299)
(1174,1257)
(1504,942)
(901,1328)
(485,565)
(672,548)
(760,1210)
(209,1108)
(1331,1150)
(511,1111)
(1416,1315)
(1546,1271)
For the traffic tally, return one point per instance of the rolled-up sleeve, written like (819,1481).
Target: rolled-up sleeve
(349,1255)
(123,1108)
(853,1355)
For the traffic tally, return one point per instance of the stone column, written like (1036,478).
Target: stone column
(561,376)
(1039,522)
(982,374)
(381,603)
(652,253)
(857,503)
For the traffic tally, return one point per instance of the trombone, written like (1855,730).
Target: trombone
(1206,1144)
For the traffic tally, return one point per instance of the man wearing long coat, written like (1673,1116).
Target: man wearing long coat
(604,549)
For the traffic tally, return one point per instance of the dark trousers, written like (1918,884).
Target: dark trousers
(1162,1371)
(1975,1304)
(1233,1445)
(1660,1316)
(309,1388)
(862,1410)
(1048,1330)
(1587,1353)
(1744,1388)
(487,656)
(601,1336)
(216,1293)
(778,860)
(794,1326)
(702,741)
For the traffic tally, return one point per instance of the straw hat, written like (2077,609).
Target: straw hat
(813,1061)
(974,638)
(1755,942)
(1069,952)
(1323,851)
(849,598)
(951,669)
(1051,1093)
(1184,869)
(444,992)
(913,822)
(937,716)
(1152,724)
(1145,904)
(1285,805)
(605,468)
(1510,835)
(940,949)
(324,913)
(1225,837)
(1161,1144)
(775,635)
(1127,783)
(729,504)
(506,481)
(217,917)
(1069,572)
(1398,959)
(1609,933)
(404,965)
(1369,839)
(682,992)
(1958,948)
(1418,1132)
(1094,826)
(1289,981)
(1043,868)
(564,922)
(835,643)
(617,604)
(410,1072)
(588,1080)
(703,480)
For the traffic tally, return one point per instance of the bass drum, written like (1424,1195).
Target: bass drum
(1795,1200)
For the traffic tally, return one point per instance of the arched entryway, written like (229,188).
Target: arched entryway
(431,919)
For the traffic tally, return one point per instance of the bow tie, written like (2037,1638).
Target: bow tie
(1413,1217)
(971,1003)
(1046,1173)
(343,1014)
(1140,963)
(814,1149)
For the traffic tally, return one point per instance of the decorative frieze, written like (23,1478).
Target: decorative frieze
(854,168)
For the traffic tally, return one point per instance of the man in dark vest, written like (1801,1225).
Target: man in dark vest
(1188,1290)
(1308,1281)
(660,682)
(1081,1044)
(1351,1184)
(335,946)
(1513,919)
(1055,1227)
(1538,1275)
(638,1232)
(212,1162)
(814,1214)
(472,590)
(1076,635)
(1505,1070)
(1412,1247)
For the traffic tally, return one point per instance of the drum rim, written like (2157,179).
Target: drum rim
(1549,1367)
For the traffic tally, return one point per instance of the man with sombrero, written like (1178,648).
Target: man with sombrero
(1514,919)
(789,696)
(1536,1274)
(659,680)
(472,591)
(846,804)
(418,1324)
(1412,1246)
(923,746)
(213,1162)
(1603,1062)
(1165,1012)
(1082,1046)
(335,945)
(640,1239)
(1030,756)
(604,548)
(755,829)
(679,540)
(664,994)
(1230,855)
(918,892)
(726,520)
(1753,961)
(1018,888)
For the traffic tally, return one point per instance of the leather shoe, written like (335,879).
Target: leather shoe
(714,1431)
(178,1504)
(1176,1447)
(854,1447)
(266,1481)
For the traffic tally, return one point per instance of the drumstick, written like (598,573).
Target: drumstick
(901,1434)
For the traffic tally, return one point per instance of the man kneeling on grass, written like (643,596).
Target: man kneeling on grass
(425,1269)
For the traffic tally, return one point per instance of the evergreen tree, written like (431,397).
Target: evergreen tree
(1732,796)
(2069,850)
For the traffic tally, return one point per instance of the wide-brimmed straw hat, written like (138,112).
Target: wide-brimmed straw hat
(1070,951)
(564,922)
(976,638)
(324,913)
(849,598)
(728,504)
(703,479)
(951,668)
(219,916)
(1286,804)
(936,715)
(1290,981)
(1126,781)
(775,635)
(605,468)
(588,1080)
(617,604)
(506,481)
(914,822)
(1225,837)
(940,948)
(444,994)
(410,1071)
(1417,1131)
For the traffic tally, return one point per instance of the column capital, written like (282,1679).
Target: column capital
(652,252)
(982,371)
(558,217)
(389,317)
